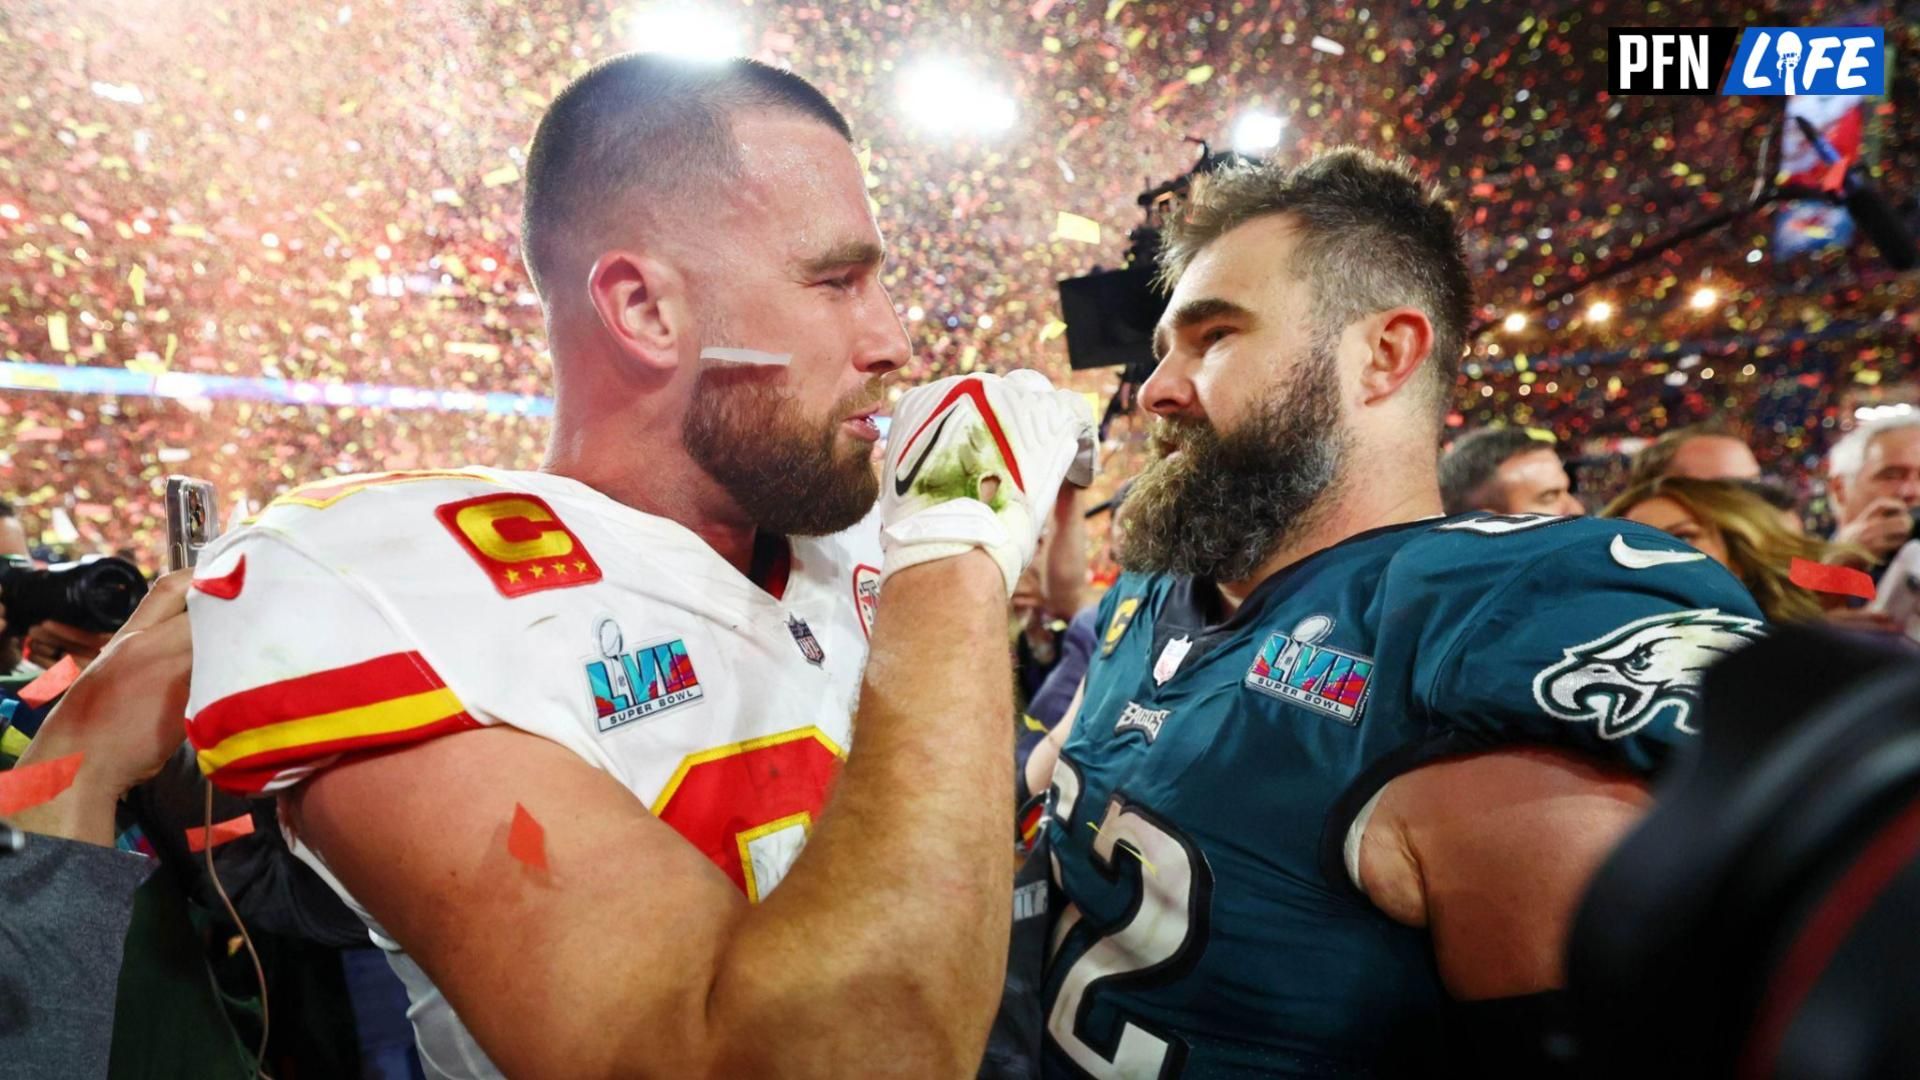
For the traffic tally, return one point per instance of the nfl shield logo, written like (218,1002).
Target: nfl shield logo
(803,637)
(1171,658)
(866,595)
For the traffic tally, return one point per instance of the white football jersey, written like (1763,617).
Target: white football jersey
(370,612)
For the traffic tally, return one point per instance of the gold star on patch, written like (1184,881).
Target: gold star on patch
(580,566)
(560,568)
(538,570)
(513,577)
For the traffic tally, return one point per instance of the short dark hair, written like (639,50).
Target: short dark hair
(1373,236)
(1654,459)
(1469,466)
(643,122)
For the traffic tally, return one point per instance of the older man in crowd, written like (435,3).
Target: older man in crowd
(1874,475)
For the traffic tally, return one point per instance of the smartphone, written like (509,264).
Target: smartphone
(193,520)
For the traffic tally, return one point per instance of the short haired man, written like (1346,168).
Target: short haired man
(1339,759)
(556,735)
(1874,475)
(1700,452)
(1505,471)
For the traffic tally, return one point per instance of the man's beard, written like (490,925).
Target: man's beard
(1229,501)
(789,474)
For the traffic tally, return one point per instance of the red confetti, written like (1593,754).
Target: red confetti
(28,786)
(221,833)
(526,840)
(52,683)
(1840,580)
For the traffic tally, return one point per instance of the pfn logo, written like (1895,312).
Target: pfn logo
(1766,60)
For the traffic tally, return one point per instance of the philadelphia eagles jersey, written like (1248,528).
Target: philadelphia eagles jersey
(1210,926)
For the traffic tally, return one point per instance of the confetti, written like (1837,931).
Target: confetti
(222,832)
(1500,107)
(526,840)
(1074,227)
(27,786)
(1838,580)
(1127,846)
(51,683)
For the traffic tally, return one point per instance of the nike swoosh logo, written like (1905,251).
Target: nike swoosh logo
(1635,559)
(904,482)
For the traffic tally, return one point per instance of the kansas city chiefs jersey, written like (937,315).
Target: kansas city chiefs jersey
(371,612)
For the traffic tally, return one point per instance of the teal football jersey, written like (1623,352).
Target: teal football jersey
(1209,924)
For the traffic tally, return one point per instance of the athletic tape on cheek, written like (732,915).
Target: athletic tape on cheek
(747,356)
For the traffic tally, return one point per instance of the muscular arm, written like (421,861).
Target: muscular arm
(880,953)
(1491,854)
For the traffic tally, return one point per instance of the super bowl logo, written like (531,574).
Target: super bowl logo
(629,686)
(1297,668)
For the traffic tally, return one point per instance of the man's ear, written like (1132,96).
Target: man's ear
(641,304)
(1837,485)
(1398,343)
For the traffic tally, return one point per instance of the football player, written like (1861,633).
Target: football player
(1342,766)
(558,735)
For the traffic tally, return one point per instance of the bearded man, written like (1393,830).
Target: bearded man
(557,736)
(1342,766)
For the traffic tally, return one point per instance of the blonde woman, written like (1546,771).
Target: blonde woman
(1741,531)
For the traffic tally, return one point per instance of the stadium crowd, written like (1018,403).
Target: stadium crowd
(206,191)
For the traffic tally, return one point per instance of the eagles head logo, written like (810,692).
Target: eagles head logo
(1646,669)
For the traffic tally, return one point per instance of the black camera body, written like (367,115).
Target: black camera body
(94,594)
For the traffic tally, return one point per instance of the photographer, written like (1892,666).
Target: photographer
(29,646)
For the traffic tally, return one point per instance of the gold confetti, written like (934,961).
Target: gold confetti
(1129,849)
(1068,226)
(332,226)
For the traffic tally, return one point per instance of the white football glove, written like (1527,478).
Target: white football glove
(949,436)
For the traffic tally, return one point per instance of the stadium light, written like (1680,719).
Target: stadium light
(1515,322)
(1867,414)
(1703,298)
(1258,132)
(941,96)
(690,32)
(1599,311)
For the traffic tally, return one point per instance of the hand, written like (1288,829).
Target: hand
(48,641)
(1881,528)
(127,713)
(1861,621)
(980,462)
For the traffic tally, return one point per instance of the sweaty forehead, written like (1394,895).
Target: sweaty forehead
(799,185)
(1251,264)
